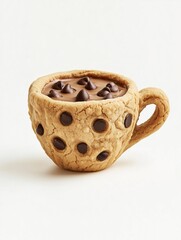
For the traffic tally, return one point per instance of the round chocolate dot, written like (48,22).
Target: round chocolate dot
(99,125)
(82,147)
(66,118)
(59,144)
(128,120)
(40,130)
(102,156)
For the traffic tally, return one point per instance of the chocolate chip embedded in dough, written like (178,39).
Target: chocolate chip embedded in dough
(58,85)
(102,156)
(128,120)
(40,130)
(108,96)
(58,143)
(82,147)
(66,118)
(90,86)
(83,81)
(103,92)
(67,89)
(53,94)
(82,95)
(100,125)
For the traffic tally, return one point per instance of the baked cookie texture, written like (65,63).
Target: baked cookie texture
(80,147)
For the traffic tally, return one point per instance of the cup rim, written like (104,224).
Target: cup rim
(37,86)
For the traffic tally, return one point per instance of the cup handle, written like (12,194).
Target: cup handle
(159,99)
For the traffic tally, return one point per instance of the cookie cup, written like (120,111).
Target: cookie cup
(114,140)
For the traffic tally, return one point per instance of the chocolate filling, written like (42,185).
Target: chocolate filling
(83,89)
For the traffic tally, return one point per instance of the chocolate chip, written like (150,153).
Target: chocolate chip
(108,96)
(67,89)
(103,92)
(66,118)
(83,81)
(99,125)
(110,84)
(113,87)
(90,86)
(128,120)
(82,95)
(102,156)
(59,143)
(58,85)
(40,130)
(53,94)
(82,147)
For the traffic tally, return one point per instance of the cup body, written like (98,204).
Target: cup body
(114,113)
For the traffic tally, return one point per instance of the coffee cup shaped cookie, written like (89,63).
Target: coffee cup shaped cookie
(86,119)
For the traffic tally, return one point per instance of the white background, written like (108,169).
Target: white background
(139,197)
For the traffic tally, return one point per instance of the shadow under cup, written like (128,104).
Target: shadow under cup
(96,132)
